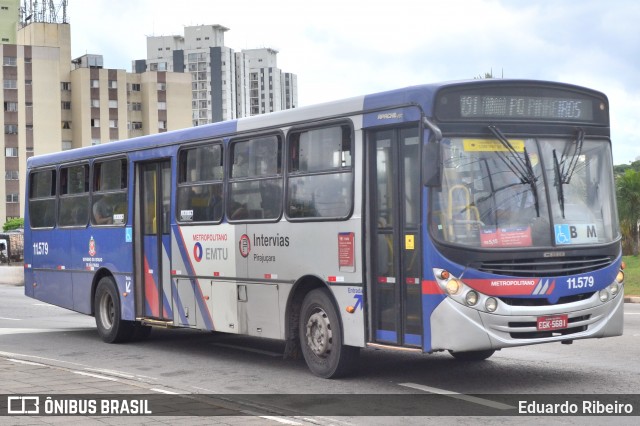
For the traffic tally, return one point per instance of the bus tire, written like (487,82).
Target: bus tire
(472,355)
(111,327)
(321,337)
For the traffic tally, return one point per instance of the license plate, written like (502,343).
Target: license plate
(555,322)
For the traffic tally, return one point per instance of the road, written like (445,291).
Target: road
(194,362)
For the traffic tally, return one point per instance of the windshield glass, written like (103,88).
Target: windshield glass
(530,192)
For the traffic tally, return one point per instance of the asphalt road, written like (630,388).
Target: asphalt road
(194,362)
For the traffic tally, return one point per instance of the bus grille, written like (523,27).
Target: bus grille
(546,267)
(515,301)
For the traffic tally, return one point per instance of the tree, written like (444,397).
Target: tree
(13,224)
(628,195)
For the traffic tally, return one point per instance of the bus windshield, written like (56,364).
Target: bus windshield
(528,192)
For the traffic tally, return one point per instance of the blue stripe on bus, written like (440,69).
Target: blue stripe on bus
(413,339)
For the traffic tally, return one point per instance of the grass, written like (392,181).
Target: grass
(632,276)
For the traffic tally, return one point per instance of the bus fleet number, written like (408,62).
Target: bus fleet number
(580,282)
(40,249)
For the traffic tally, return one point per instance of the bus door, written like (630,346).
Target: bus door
(395,223)
(153,241)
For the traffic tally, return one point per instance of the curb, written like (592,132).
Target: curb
(632,299)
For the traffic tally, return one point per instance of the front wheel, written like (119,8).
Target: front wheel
(321,337)
(472,355)
(111,327)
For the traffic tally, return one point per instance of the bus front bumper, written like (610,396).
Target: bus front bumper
(460,328)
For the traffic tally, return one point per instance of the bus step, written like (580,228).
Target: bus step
(393,348)
(155,322)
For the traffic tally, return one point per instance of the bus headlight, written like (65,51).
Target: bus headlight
(604,295)
(614,288)
(491,304)
(456,289)
(471,298)
(453,286)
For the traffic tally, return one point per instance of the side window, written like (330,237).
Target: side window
(200,194)
(320,175)
(255,184)
(73,208)
(109,202)
(42,199)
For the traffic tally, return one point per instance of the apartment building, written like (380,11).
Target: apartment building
(52,103)
(224,84)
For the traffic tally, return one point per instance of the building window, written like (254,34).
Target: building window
(95,142)
(66,86)
(135,106)
(135,87)
(10,129)
(11,106)
(162,105)
(95,84)
(162,124)
(113,84)
(113,103)
(10,84)
(12,175)
(113,124)
(66,105)
(136,125)
(11,152)
(162,86)
(9,61)
(13,198)
(66,125)
(95,122)
(95,103)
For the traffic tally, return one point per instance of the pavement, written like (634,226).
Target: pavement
(29,375)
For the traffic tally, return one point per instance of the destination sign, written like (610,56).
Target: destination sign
(495,101)
(487,106)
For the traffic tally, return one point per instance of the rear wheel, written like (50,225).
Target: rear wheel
(321,337)
(472,355)
(111,327)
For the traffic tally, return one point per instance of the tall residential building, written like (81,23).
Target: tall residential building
(9,17)
(224,84)
(52,103)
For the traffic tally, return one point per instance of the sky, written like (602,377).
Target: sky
(342,48)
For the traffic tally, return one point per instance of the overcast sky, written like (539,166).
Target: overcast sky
(342,48)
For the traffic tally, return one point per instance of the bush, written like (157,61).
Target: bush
(13,224)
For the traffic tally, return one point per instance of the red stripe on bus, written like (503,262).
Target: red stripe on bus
(431,287)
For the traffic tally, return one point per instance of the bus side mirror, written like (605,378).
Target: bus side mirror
(431,165)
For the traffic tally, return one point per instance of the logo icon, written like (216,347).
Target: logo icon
(244,245)
(92,247)
(23,405)
(197,252)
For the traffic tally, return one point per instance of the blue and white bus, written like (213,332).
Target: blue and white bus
(465,217)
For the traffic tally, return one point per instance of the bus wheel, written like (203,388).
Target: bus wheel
(111,327)
(472,355)
(321,338)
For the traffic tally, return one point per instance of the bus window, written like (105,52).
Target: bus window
(255,187)
(320,175)
(200,195)
(109,198)
(42,199)
(73,209)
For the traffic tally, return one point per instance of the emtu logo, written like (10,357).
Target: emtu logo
(244,245)
(197,252)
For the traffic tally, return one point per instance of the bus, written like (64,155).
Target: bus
(465,217)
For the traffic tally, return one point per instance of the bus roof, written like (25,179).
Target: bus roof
(422,96)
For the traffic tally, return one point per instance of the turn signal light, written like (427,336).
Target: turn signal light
(444,275)
(350,309)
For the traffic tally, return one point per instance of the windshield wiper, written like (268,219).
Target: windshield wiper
(563,176)
(573,162)
(521,168)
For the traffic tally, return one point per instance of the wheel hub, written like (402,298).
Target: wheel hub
(319,334)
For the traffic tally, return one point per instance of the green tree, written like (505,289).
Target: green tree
(13,224)
(628,194)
